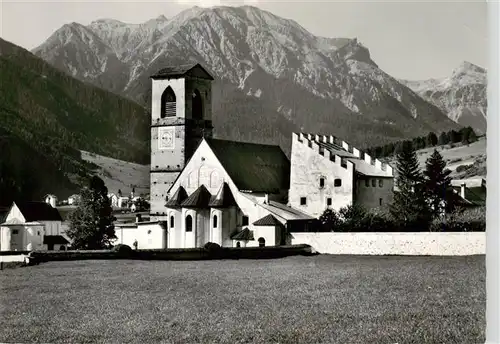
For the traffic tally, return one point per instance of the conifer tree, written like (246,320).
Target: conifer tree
(91,224)
(409,207)
(431,140)
(437,183)
(444,138)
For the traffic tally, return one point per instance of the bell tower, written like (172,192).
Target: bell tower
(181,115)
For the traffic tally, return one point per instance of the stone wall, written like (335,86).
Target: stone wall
(424,243)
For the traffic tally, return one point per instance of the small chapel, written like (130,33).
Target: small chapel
(240,194)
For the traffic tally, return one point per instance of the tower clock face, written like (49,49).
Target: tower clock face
(166,138)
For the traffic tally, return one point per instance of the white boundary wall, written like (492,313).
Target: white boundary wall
(419,243)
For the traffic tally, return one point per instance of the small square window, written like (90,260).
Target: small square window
(338,182)
(244,221)
(15,231)
(322,182)
(329,201)
(303,201)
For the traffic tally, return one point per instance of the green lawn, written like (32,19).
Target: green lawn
(320,299)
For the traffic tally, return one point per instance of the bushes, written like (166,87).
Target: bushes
(123,250)
(356,219)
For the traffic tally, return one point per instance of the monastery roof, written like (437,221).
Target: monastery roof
(179,196)
(54,240)
(224,198)
(180,71)
(245,235)
(38,211)
(200,198)
(280,210)
(268,220)
(253,167)
(361,166)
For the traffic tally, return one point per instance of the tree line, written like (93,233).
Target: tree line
(465,135)
(422,201)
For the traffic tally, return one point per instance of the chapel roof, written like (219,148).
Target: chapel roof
(179,196)
(200,198)
(253,167)
(268,220)
(244,235)
(224,198)
(176,71)
(38,211)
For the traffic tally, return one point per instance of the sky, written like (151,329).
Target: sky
(412,40)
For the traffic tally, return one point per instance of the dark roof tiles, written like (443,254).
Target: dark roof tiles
(224,198)
(179,196)
(268,220)
(198,199)
(253,167)
(244,235)
(38,211)
(182,70)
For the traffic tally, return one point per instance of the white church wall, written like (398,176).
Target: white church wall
(188,238)
(148,236)
(33,238)
(308,167)
(424,243)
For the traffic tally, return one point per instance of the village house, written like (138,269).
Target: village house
(472,191)
(237,193)
(32,225)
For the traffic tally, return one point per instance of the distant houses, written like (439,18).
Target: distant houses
(472,191)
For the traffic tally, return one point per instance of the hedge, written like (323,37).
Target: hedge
(176,254)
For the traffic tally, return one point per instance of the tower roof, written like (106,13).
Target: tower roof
(224,198)
(179,196)
(198,199)
(179,71)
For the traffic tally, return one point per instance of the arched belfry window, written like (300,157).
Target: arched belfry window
(197,105)
(168,103)
(215,221)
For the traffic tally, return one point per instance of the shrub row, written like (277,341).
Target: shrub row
(355,219)
(205,253)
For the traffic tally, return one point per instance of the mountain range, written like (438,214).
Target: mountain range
(47,117)
(462,95)
(272,75)
(87,87)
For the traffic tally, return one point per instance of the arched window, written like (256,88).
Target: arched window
(215,221)
(238,244)
(189,223)
(262,242)
(172,221)
(168,103)
(197,105)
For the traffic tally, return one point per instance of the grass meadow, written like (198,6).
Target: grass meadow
(319,299)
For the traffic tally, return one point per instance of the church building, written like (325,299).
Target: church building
(244,194)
